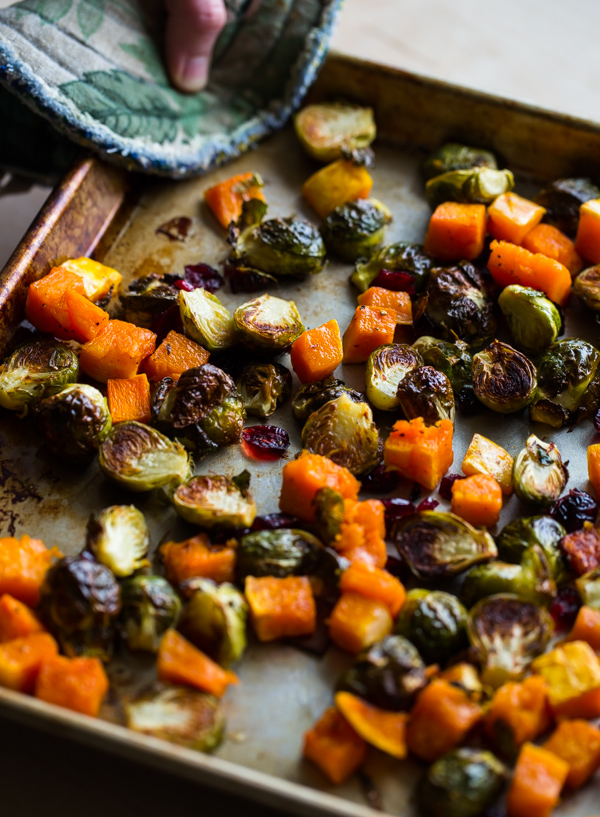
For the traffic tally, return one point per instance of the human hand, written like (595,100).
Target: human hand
(192,30)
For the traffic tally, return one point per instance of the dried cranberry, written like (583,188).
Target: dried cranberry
(428,504)
(415,492)
(274,521)
(397,281)
(169,320)
(396,567)
(265,442)
(467,402)
(185,285)
(395,509)
(574,509)
(201,276)
(380,481)
(597,421)
(446,485)
(565,607)
(177,229)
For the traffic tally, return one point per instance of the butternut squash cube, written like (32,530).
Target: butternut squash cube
(281,608)
(587,242)
(335,184)
(486,457)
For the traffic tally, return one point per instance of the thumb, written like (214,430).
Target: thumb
(192,30)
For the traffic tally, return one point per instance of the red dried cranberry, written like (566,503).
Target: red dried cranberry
(428,504)
(201,276)
(395,509)
(574,509)
(446,485)
(467,402)
(274,521)
(169,320)
(265,442)
(181,284)
(415,492)
(565,607)
(396,281)
(380,481)
(396,567)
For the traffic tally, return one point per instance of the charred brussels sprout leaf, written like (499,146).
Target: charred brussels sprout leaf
(355,229)
(426,393)
(533,320)
(520,534)
(329,514)
(150,607)
(477,185)
(79,602)
(178,714)
(284,247)
(539,475)
(35,370)
(206,320)
(568,383)
(458,304)
(264,387)
(436,545)
(504,379)
(388,674)
(454,156)
(587,287)
(462,783)
(387,366)
(531,580)
(312,396)
(148,297)
(214,619)
(213,500)
(328,128)
(400,257)
(141,458)
(74,422)
(451,358)
(588,587)
(118,537)
(434,622)
(507,633)
(562,199)
(345,432)
(279,553)
(268,324)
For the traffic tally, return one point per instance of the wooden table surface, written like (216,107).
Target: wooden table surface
(539,51)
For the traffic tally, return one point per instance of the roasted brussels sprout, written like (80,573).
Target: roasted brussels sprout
(141,458)
(504,380)
(214,500)
(312,396)
(264,387)
(426,393)
(568,383)
(214,619)
(119,538)
(434,622)
(268,324)
(203,409)
(280,553)
(328,128)
(148,297)
(388,674)
(386,367)
(533,320)
(562,199)
(400,257)
(587,287)
(462,783)
(531,580)
(35,370)
(458,304)
(477,185)
(435,544)
(74,422)
(454,156)
(588,587)
(79,602)
(150,607)
(355,229)
(451,358)
(539,475)
(345,432)
(521,534)
(329,514)
(206,320)
(178,714)
(507,633)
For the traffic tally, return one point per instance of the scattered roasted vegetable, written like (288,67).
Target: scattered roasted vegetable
(35,370)
(588,587)
(477,185)
(426,393)
(454,156)
(400,257)
(587,287)
(521,534)
(206,320)
(451,358)
(533,320)
(504,380)
(387,366)
(312,396)
(268,324)
(355,229)
(562,199)
(279,553)
(434,622)
(264,387)
(74,422)
(327,129)
(150,607)
(531,580)
(148,297)
(119,538)
(458,304)
(214,500)
(539,475)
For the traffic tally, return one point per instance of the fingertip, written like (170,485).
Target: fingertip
(190,74)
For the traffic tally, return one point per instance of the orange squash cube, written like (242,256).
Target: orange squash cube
(587,627)
(511,217)
(586,705)
(23,566)
(484,456)
(549,241)
(304,476)
(79,684)
(227,198)
(380,298)
(334,746)
(510,264)
(179,662)
(368,329)
(357,622)
(383,729)
(281,608)
(99,281)
(374,583)
(362,533)
(420,452)
(536,784)
(129,399)
(21,659)
(593,462)
(44,299)
(174,356)
(86,320)
(477,499)
(335,184)
(518,712)
(456,231)
(577,743)
(16,619)
(196,557)
(587,242)
(117,351)
(317,352)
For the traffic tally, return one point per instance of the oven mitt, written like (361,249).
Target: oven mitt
(94,70)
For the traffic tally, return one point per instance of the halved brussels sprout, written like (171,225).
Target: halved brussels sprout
(214,619)
(35,370)
(477,185)
(388,674)
(215,500)
(79,602)
(454,156)
(268,324)
(520,534)
(507,633)
(150,607)
(312,396)
(435,544)
(141,458)
(587,287)
(206,320)
(531,580)
(355,229)
(148,297)
(386,367)
(400,257)
(329,514)
(588,587)
(327,128)
(119,538)
(74,422)
(280,553)
(462,783)
(426,393)
(504,379)
(264,387)
(539,475)
(458,304)
(451,358)
(562,199)
(434,622)
(533,320)
(568,383)
(178,714)
(345,432)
